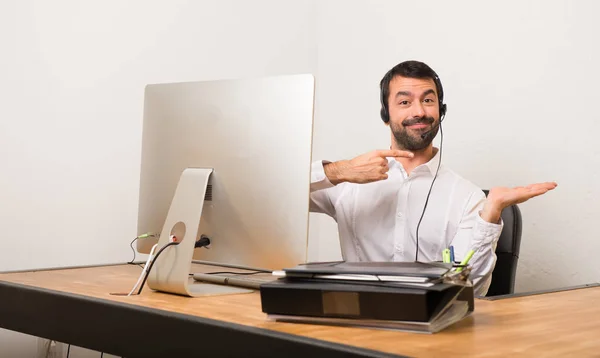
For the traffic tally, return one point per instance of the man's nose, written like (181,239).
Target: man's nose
(417,110)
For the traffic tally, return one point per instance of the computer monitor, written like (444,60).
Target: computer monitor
(246,148)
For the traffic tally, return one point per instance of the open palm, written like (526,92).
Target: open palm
(510,196)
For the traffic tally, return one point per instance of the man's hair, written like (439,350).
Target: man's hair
(409,69)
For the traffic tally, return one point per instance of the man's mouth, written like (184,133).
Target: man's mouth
(418,126)
(418,123)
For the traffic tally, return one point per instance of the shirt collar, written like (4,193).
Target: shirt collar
(431,166)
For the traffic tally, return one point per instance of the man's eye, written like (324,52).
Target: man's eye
(403,103)
(428,100)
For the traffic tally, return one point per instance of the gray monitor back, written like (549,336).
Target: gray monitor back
(257,136)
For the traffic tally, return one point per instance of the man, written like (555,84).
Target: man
(378,198)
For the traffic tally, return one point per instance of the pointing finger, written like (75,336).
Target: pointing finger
(396,153)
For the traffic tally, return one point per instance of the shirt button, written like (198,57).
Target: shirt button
(399,249)
(399,214)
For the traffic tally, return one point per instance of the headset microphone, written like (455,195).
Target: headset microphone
(435,127)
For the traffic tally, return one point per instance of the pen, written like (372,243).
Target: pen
(446,256)
(465,261)
(451,253)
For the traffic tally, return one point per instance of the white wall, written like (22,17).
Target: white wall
(75,73)
(521,84)
(72,75)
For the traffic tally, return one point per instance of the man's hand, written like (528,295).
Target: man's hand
(500,198)
(365,168)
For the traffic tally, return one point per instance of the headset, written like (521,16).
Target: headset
(385,116)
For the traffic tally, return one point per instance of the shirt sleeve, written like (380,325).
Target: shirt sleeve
(320,190)
(478,235)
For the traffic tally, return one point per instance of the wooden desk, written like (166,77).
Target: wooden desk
(75,306)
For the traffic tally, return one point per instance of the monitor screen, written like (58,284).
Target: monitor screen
(256,136)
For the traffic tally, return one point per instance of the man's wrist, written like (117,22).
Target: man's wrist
(491,212)
(334,172)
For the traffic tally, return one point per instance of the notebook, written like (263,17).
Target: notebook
(415,272)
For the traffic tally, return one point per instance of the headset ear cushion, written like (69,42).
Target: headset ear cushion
(384,115)
(442,110)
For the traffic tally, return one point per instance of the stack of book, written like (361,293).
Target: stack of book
(411,296)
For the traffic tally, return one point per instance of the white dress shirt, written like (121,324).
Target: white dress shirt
(377,221)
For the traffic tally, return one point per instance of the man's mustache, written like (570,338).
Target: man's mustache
(418,120)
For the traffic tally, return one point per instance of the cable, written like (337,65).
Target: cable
(152,259)
(144,272)
(49,346)
(101,354)
(68,350)
(220,264)
(234,273)
(143,236)
(152,263)
(132,249)
(204,241)
(429,193)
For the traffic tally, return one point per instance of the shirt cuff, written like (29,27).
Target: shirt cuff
(486,232)
(318,179)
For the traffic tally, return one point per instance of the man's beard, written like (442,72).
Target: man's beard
(414,142)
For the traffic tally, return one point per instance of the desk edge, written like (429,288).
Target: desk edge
(57,315)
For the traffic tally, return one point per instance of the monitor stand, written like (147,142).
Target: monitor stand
(170,272)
